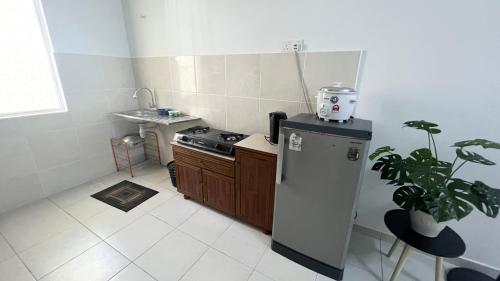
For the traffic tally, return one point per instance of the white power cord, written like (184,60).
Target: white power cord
(303,83)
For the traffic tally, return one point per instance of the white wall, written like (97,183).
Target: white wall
(433,60)
(42,155)
(93,27)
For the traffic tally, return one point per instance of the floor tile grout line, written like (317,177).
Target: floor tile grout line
(254,269)
(49,199)
(122,269)
(93,246)
(143,270)
(154,244)
(209,246)
(100,213)
(174,228)
(232,258)
(17,256)
(73,258)
(47,238)
(80,221)
(381,258)
(195,262)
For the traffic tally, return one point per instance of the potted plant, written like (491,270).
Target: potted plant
(429,188)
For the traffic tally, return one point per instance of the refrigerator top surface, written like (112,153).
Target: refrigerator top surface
(354,127)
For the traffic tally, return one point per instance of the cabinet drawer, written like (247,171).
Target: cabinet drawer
(211,163)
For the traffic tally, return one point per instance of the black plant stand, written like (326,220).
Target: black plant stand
(465,274)
(448,244)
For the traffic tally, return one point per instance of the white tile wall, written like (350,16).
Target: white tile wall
(42,155)
(236,92)
(183,74)
(243,75)
(280,78)
(210,75)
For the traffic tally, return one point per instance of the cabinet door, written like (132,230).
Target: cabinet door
(219,192)
(189,180)
(256,180)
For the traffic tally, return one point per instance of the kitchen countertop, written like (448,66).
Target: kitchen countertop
(259,143)
(231,158)
(158,119)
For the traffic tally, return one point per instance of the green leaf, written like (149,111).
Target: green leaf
(381,150)
(473,157)
(392,168)
(423,125)
(455,200)
(409,197)
(477,142)
(425,171)
(486,199)
(444,206)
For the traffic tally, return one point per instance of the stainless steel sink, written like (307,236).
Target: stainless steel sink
(151,117)
(142,113)
(139,116)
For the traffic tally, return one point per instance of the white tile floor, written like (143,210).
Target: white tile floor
(71,236)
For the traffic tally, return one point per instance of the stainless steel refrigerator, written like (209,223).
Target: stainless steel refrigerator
(318,179)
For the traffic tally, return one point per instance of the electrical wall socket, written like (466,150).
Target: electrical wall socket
(293,46)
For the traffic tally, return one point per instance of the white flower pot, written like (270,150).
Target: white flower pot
(425,224)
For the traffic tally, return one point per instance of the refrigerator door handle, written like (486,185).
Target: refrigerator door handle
(279,164)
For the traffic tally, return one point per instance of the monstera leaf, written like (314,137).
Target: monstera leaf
(486,199)
(454,201)
(380,151)
(425,171)
(444,207)
(423,125)
(409,197)
(473,157)
(477,142)
(392,168)
(425,183)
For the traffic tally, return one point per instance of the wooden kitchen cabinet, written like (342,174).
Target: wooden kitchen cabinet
(255,174)
(242,186)
(190,180)
(205,178)
(219,192)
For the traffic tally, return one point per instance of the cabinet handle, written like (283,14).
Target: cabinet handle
(279,162)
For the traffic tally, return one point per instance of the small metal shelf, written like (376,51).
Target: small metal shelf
(122,151)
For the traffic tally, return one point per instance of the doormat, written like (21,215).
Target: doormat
(125,195)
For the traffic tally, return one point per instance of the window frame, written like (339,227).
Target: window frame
(63,107)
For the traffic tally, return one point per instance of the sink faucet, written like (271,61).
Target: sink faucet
(153,100)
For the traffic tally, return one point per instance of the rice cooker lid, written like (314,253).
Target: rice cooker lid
(337,88)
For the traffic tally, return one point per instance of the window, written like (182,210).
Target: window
(29,83)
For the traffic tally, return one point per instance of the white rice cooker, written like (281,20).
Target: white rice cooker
(336,103)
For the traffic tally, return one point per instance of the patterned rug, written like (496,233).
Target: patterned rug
(125,195)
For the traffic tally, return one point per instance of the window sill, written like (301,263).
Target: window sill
(32,113)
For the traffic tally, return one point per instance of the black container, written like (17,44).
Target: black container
(171,171)
(274,124)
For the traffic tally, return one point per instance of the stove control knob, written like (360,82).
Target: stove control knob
(184,138)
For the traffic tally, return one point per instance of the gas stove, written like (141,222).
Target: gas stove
(209,139)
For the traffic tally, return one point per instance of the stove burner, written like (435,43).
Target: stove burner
(232,137)
(199,130)
(221,142)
